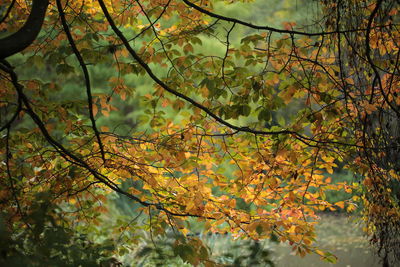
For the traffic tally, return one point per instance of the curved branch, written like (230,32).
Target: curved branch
(73,158)
(85,74)
(25,36)
(8,11)
(268,28)
(14,117)
(154,77)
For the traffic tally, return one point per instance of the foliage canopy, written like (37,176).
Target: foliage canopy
(243,137)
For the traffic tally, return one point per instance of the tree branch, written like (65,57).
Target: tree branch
(75,159)
(8,11)
(306,140)
(268,28)
(85,74)
(25,36)
(166,87)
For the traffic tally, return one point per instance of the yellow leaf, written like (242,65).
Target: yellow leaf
(104,128)
(95,110)
(352,207)
(340,204)
(105,112)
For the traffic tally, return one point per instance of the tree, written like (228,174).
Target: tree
(239,138)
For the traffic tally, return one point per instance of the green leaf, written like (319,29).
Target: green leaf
(245,110)
(36,61)
(265,115)
(186,252)
(281,120)
(64,69)
(329,257)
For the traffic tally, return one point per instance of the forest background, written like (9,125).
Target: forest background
(265,127)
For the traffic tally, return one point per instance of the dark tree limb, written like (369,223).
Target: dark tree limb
(85,74)
(25,36)
(77,160)
(310,141)
(8,11)
(268,28)
(153,76)
(14,117)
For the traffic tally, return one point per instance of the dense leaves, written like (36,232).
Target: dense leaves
(45,241)
(189,112)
